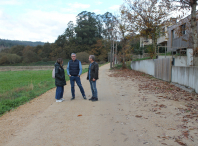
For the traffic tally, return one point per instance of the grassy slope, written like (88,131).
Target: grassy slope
(18,87)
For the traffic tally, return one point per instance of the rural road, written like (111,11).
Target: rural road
(123,116)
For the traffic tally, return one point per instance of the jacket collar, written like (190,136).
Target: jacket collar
(93,62)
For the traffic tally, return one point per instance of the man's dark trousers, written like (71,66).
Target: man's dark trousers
(93,89)
(72,82)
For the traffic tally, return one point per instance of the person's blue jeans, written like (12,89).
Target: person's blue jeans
(93,89)
(59,92)
(72,82)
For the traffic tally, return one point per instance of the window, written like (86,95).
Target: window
(163,31)
(173,34)
(183,29)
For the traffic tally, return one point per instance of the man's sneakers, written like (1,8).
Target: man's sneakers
(59,100)
(62,99)
(72,98)
(84,97)
(93,99)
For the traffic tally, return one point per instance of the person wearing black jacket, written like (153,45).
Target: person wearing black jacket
(60,81)
(92,76)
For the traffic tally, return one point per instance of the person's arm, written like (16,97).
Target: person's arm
(96,72)
(80,67)
(68,69)
(57,74)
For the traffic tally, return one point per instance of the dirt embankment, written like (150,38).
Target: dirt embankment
(20,68)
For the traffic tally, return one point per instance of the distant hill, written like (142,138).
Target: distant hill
(9,43)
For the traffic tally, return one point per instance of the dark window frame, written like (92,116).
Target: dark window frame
(183,29)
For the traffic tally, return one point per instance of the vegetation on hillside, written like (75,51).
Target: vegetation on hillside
(10,43)
(90,35)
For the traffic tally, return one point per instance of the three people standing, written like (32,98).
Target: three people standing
(74,70)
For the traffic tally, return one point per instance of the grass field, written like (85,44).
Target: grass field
(18,87)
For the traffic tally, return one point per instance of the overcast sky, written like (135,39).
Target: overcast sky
(44,20)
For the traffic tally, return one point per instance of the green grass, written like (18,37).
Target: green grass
(119,66)
(19,87)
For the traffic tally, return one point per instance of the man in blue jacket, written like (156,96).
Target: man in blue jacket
(74,70)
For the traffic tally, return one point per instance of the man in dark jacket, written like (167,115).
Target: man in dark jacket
(92,76)
(59,80)
(74,70)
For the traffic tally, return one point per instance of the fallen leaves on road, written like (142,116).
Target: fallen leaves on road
(79,115)
(165,91)
(138,116)
(180,142)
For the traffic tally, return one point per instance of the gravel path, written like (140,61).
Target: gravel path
(123,116)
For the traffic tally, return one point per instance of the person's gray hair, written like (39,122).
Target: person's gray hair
(73,54)
(92,57)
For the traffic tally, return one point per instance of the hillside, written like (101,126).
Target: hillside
(9,43)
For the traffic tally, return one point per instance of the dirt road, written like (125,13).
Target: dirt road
(123,116)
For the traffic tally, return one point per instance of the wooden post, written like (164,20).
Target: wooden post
(116,51)
(113,48)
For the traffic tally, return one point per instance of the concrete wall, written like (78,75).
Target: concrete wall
(189,57)
(161,68)
(187,76)
(160,57)
(180,61)
(196,61)
(146,66)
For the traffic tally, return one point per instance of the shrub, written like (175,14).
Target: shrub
(83,57)
(45,59)
(7,58)
(29,56)
(3,60)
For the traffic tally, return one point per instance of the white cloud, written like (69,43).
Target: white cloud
(98,2)
(35,25)
(77,5)
(68,10)
(114,7)
(96,11)
(10,2)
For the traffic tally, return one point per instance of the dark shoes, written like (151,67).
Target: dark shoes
(72,98)
(91,98)
(94,99)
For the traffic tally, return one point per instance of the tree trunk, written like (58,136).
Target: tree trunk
(111,56)
(113,52)
(123,61)
(154,42)
(116,59)
(194,27)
